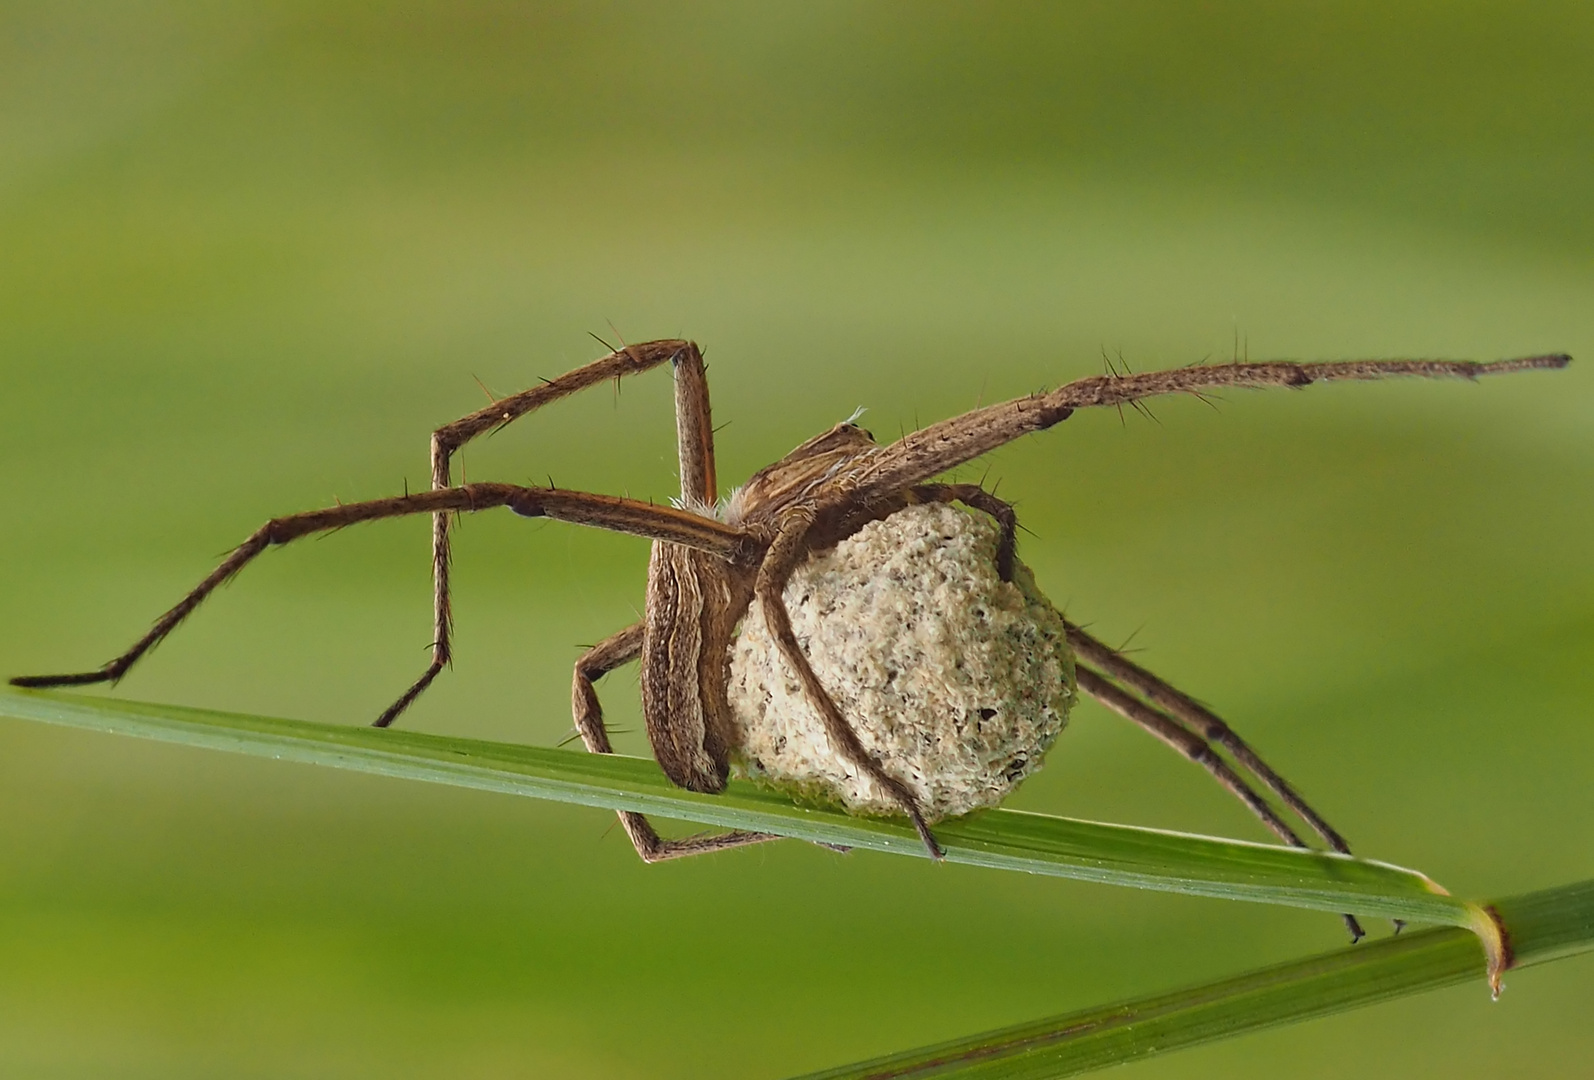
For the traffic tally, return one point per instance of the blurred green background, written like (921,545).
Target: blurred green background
(252,253)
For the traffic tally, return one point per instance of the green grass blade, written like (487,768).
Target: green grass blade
(1036,843)
(1542,926)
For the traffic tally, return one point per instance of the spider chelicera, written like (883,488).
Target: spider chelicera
(711,560)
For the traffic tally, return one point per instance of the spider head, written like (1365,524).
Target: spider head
(845,435)
(802,472)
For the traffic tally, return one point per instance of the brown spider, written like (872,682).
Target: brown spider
(711,561)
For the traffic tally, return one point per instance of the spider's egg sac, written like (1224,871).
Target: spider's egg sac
(956,681)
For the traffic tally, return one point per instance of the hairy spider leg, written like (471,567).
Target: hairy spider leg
(977,498)
(694,430)
(1197,717)
(931,451)
(1195,748)
(595,663)
(784,556)
(1186,742)
(446,440)
(600,511)
(842,523)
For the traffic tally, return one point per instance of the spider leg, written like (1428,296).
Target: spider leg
(600,511)
(1194,747)
(694,430)
(614,651)
(595,663)
(835,527)
(446,440)
(784,556)
(930,451)
(1196,716)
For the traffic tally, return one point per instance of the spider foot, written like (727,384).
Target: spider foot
(84,678)
(922,827)
(392,712)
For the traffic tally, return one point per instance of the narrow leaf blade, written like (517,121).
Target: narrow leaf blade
(1542,926)
(1006,839)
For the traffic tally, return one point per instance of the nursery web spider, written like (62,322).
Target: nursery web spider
(711,560)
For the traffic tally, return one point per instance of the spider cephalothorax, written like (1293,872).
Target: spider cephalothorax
(711,564)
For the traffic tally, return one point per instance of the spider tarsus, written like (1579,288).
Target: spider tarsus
(1549,360)
(922,827)
(1400,924)
(1355,928)
(82,678)
(394,710)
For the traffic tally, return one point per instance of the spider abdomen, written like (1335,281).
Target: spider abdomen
(954,680)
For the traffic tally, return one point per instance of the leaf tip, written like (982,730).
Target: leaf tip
(1485,921)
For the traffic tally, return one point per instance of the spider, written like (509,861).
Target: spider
(711,560)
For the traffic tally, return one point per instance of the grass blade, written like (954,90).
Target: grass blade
(1541,926)
(1008,839)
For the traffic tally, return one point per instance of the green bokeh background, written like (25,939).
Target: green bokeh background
(251,254)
